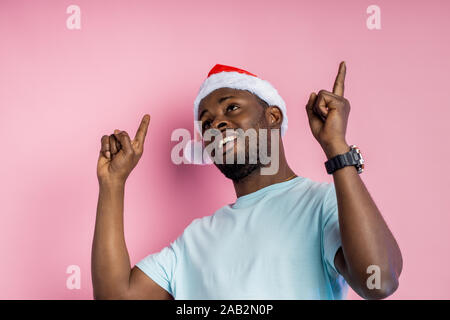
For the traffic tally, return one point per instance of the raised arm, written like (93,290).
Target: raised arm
(366,238)
(112,276)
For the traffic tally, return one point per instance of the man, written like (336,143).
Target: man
(285,237)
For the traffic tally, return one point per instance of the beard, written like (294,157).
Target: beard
(238,171)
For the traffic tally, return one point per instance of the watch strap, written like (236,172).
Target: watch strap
(350,158)
(340,161)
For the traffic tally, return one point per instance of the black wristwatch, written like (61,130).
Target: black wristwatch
(351,158)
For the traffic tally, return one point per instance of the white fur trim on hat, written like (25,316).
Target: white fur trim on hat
(237,80)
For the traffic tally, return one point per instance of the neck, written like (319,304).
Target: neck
(256,181)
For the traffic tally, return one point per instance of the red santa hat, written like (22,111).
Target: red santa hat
(221,76)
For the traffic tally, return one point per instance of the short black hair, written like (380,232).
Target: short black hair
(262,102)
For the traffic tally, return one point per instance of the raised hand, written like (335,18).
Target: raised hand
(119,155)
(328,114)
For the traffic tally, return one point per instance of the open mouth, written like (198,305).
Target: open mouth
(228,143)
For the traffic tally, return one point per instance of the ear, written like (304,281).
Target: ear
(274,117)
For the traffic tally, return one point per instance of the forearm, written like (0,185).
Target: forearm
(110,260)
(366,238)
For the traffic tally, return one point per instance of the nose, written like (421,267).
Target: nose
(220,124)
(217,128)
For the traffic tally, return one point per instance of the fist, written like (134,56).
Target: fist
(119,154)
(328,112)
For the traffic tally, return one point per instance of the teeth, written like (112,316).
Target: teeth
(227,139)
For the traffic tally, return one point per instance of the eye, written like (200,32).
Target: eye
(231,106)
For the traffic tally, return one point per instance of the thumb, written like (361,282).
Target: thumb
(315,122)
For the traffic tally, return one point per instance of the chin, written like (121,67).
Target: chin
(237,172)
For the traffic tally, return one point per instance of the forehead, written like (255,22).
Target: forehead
(212,99)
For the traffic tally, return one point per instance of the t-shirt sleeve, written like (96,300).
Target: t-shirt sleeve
(161,266)
(331,236)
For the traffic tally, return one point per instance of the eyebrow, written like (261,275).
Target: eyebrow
(219,101)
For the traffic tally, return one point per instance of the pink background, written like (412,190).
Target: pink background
(61,90)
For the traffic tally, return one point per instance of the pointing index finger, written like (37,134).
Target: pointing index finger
(338,88)
(142,130)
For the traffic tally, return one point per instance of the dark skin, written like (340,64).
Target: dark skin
(112,275)
(244,111)
(366,239)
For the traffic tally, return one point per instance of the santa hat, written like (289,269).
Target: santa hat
(221,76)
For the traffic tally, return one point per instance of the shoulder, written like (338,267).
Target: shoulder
(204,222)
(314,189)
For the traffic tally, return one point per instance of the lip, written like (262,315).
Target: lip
(219,144)
(227,146)
(228,138)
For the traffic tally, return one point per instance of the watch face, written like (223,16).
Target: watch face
(358,158)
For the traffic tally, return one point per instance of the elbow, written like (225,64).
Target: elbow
(111,295)
(386,289)
(106,289)
(382,283)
